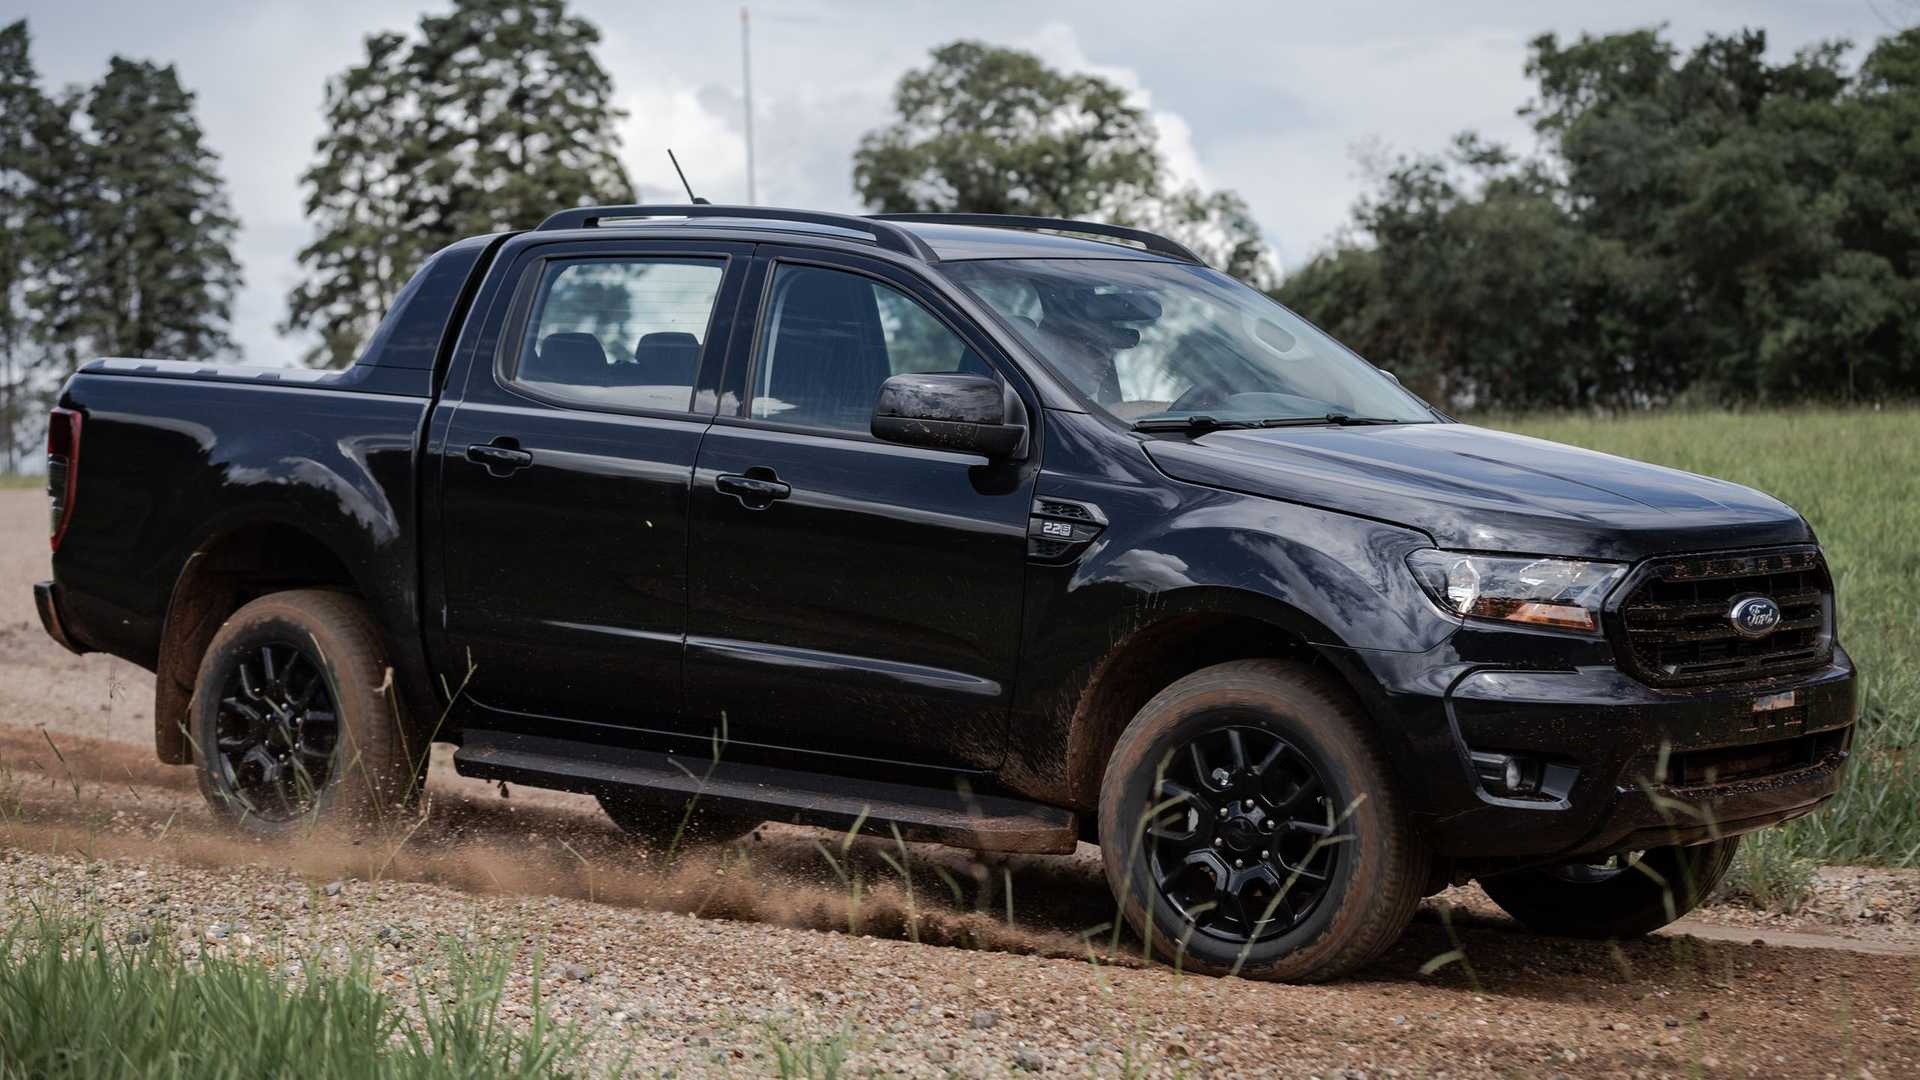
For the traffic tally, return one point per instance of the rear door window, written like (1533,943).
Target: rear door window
(624,333)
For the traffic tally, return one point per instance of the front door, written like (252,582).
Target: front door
(564,483)
(848,595)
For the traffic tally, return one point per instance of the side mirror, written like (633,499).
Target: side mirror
(967,413)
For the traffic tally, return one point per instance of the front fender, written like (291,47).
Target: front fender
(1178,559)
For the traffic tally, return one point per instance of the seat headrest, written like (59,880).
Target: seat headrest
(663,358)
(574,359)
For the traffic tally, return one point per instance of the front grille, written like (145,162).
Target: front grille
(1675,617)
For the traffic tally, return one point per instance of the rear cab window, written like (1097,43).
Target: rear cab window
(623,333)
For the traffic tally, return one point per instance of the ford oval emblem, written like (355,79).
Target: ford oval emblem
(1754,616)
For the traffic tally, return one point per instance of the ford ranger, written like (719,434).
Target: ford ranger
(1009,533)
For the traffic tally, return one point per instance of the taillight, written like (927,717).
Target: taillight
(63,468)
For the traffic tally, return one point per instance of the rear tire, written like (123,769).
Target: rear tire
(661,824)
(1280,849)
(293,720)
(1619,901)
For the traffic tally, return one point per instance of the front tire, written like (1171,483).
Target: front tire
(1250,826)
(293,722)
(1626,896)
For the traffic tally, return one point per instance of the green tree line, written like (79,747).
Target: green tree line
(1709,226)
(115,231)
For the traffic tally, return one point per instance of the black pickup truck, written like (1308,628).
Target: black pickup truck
(1003,532)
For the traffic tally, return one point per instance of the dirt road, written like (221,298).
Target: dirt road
(702,962)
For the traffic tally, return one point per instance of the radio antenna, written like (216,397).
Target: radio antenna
(697,200)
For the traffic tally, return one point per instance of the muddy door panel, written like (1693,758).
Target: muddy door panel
(873,610)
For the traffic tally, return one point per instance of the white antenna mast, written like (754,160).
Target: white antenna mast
(746,84)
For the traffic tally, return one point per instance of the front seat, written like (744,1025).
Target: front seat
(829,358)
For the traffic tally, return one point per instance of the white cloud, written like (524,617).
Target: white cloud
(1267,99)
(1058,45)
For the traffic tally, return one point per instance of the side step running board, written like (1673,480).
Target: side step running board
(981,822)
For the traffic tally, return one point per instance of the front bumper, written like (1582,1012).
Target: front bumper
(46,600)
(1650,767)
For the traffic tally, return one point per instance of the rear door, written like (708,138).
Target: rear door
(848,595)
(564,482)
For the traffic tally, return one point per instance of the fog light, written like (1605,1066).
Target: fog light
(1506,774)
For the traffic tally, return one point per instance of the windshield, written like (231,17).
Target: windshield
(1164,342)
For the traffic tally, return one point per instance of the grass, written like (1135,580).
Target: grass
(799,1057)
(78,1005)
(21,481)
(1852,473)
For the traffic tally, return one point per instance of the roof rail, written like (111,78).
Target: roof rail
(1153,242)
(889,236)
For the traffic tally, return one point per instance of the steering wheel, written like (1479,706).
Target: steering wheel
(1199,396)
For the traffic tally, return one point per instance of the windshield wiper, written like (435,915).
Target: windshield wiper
(1201,422)
(1334,418)
(1196,423)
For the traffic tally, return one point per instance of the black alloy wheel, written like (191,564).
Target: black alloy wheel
(1250,826)
(1244,841)
(276,730)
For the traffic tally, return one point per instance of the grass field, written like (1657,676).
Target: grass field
(1856,476)
(76,1003)
(21,480)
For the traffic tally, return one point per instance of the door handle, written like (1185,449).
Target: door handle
(502,456)
(756,489)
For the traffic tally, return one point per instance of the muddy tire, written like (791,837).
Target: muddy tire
(1250,826)
(293,719)
(1622,899)
(663,825)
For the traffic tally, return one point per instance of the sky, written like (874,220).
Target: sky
(1279,101)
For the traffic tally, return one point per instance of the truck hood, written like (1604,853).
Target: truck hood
(1474,489)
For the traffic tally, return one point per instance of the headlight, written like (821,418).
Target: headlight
(1560,593)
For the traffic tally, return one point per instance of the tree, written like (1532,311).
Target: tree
(995,131)
(115,233)
(151,270)
(1713,225)
(21,109)
(489,118)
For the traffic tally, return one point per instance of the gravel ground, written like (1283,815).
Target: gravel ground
(701,962)
(699,997)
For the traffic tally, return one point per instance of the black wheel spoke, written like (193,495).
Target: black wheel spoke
(1306,791)
(1201,772)
(1273,755)
(1236,749)
(307,692)
(1263,895)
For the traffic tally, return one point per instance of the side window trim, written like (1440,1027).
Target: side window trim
(528,299)
(742,412)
